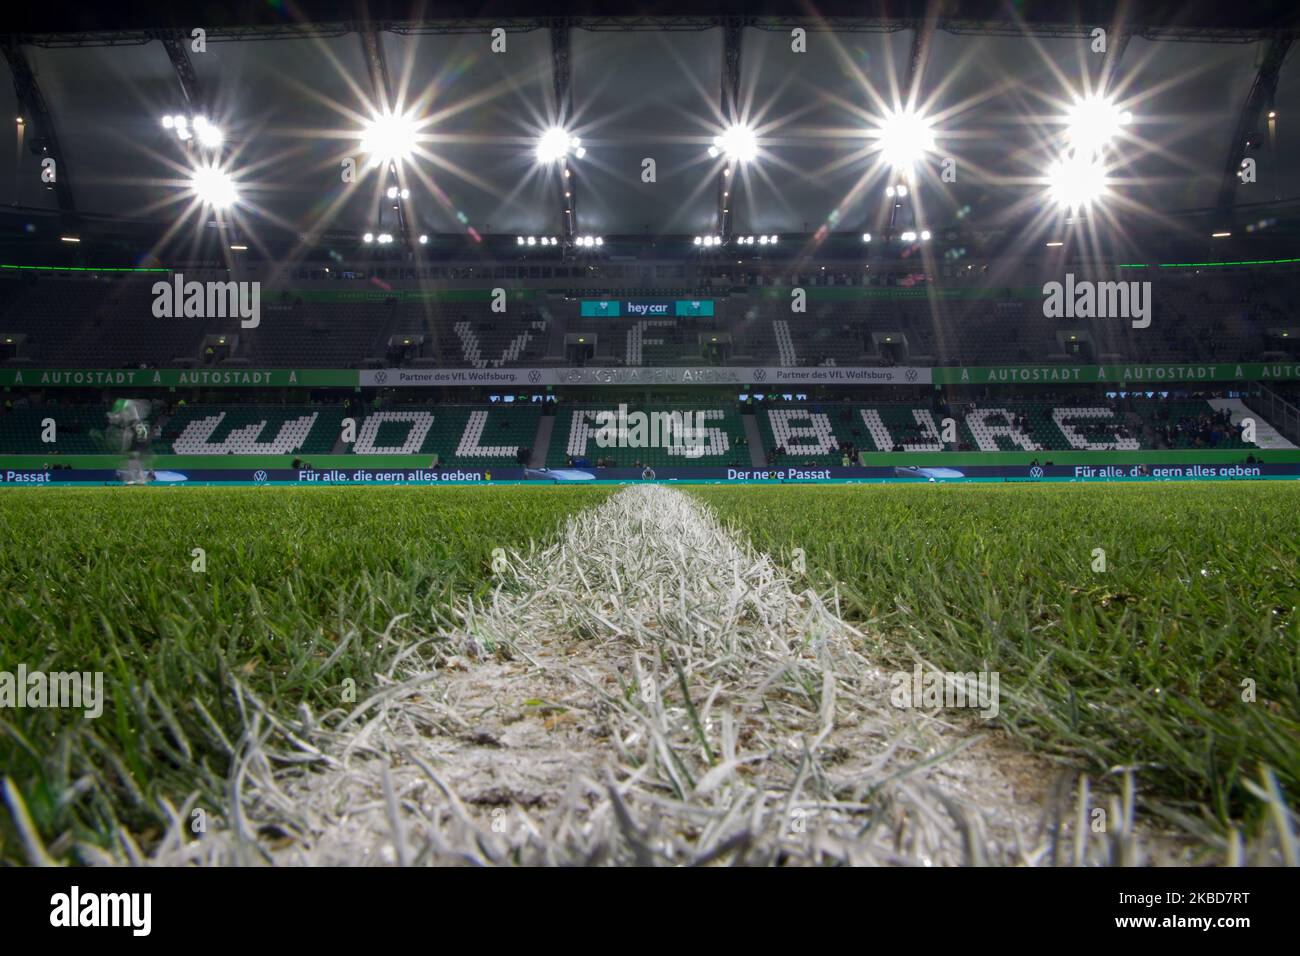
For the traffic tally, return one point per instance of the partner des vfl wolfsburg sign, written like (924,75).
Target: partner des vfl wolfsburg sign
(765,377)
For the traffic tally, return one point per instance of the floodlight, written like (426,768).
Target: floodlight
(519,240)
(925,235)
(424,240)
(1092,122)
(866,237)
(1076,181)
(213,186)
(532,240)
(208,134)
(901,191)
(167,121)
(698,240)
(392,192)
(385,238)
(908,236)
(388,138)
(905,137)
(554,145)
(181,122)
(737,142)
(368,237)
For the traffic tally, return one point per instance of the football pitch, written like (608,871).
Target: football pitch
(1148,628)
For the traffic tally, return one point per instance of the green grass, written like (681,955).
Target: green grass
(1141,665)
(299,587)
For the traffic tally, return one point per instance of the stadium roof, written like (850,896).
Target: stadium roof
(292,90)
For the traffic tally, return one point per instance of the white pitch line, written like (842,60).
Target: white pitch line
(646,688)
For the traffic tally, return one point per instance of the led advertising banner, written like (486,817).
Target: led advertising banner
(646,308)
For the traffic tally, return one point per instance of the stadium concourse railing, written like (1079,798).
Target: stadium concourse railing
(1277,411)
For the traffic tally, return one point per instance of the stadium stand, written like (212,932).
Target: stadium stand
(575,438)
(251,430)
(479,435)
(826,433)
(456,434)
(100,322)
(79,429)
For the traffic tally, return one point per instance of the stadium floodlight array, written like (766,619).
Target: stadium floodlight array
(747,240)
(556,143)
(389,138)
(536,241)
(708,242)
(900,191)
(199,128)
(587,242)
(1077,178)
(737,143)
(394,192)
(908,236)
(213,186)
(1076,181)
(1092,122)
(905,137)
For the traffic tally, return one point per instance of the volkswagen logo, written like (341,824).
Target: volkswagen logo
(534,376)
(911,375)
(760,375)
(381,377)
(259,476)
(1036,472)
